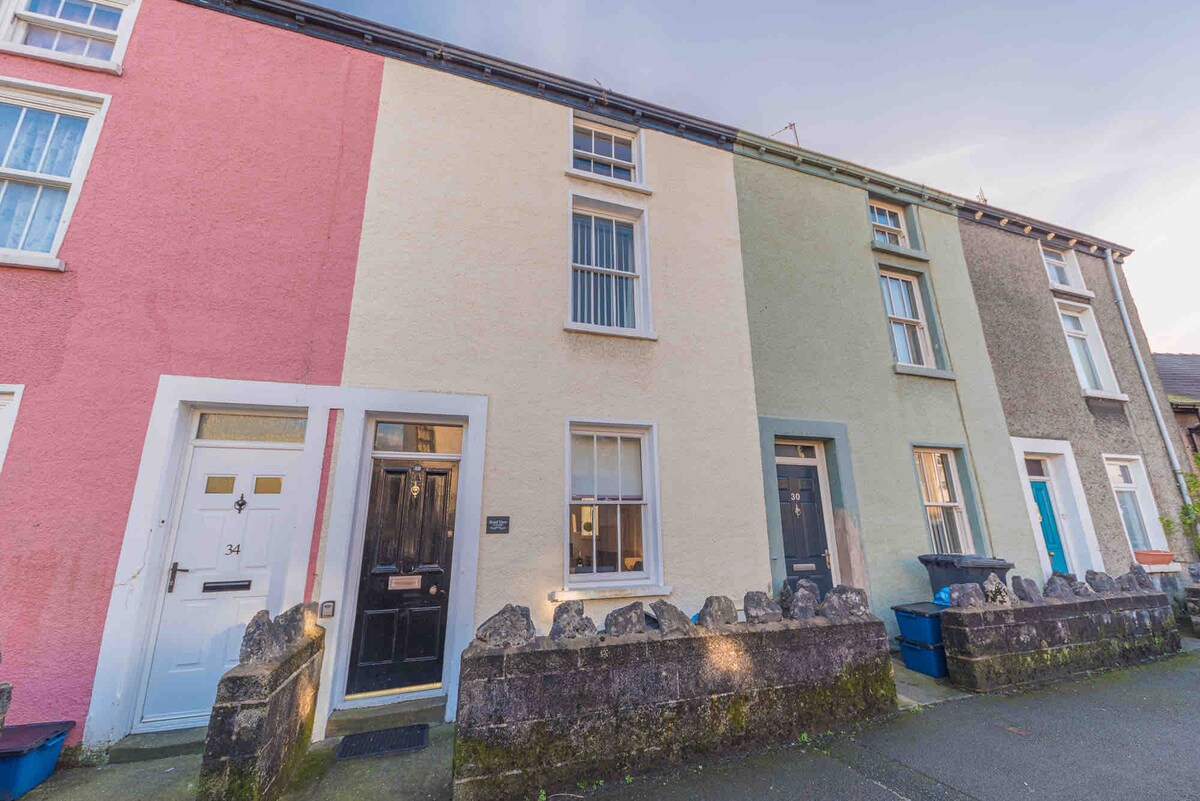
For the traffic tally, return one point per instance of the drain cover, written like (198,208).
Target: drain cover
(388,741)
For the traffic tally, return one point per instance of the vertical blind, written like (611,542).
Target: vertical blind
(603,272)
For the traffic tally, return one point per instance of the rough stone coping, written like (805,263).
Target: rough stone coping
(258,681)
(545,643)
(1056,607)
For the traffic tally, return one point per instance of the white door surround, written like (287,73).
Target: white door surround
(1075,518)
(142,566)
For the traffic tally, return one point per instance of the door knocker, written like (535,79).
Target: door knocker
(240,503)
(415,487)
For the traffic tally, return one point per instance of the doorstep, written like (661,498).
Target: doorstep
(915,689)
(157,745)
(386,716)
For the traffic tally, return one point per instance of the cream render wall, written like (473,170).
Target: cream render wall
(462,287)
(822,353)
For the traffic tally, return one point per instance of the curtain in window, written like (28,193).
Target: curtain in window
(1135,527)
(607,504)
(602,295)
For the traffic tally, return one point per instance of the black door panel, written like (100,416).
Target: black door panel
(400,621)
(805,541)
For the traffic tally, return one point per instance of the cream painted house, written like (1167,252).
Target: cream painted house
(584,275)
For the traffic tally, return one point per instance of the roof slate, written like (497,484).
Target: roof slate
(1180,374)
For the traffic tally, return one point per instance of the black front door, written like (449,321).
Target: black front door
(404,586)
(805,545)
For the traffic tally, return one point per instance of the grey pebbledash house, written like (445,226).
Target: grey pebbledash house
(1085,410)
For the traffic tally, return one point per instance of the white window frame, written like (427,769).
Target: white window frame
(901,231)
(10,401)
(1070,265)
(644,328)
(637,165)
(1095,342)
(59,100)
(1145,498)
(921,322)
(959,508)
(14,20)
(650,578)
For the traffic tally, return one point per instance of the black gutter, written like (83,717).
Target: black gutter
(351,31)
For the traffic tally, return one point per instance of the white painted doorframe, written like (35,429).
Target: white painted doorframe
(141,566)
(349,602)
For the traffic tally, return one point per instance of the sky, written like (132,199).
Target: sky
(1086,115)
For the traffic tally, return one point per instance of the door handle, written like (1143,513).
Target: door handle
(828,563)
(175,570)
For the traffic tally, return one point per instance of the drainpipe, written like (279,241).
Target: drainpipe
(1141,365)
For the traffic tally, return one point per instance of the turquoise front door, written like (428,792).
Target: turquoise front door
(1049,521)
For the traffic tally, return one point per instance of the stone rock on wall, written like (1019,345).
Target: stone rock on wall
(261,723)
(552,713)
(718,611)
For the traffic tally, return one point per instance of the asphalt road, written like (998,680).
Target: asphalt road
(1128,734)
(1132,734)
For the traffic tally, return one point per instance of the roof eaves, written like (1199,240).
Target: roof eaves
(351,31)
(1049,233)
(362,34)
(847,172)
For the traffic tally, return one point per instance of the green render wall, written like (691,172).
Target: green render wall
(821,353)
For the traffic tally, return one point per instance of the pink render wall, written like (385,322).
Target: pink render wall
(216,235)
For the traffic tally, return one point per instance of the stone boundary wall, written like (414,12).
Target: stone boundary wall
(262,721)
(1004,640)
(542,714)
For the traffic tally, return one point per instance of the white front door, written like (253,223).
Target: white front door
(233,549)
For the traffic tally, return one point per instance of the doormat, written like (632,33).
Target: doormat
(388,741)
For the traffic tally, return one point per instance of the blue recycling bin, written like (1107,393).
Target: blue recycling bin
(923,658)
(28,754)
(920,622)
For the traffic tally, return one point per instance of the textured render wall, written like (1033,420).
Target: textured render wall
(216,235)
(821,352)
(462,287)
(1038,386)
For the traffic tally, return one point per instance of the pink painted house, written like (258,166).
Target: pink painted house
(180,211)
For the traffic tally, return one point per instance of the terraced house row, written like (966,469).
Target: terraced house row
(301,307)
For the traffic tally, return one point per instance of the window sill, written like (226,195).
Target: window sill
(628,333)
(926,372)
(31,261)
(896,250)
(1084,294)
(641,189)
(1173,567)
(601,593)
(98,65)
(1101,394)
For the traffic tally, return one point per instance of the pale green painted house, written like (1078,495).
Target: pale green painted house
(881,428)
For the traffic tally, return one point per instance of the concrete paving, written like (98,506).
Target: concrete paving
(1124,734)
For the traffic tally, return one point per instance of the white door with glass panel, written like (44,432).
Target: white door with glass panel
(233,548)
